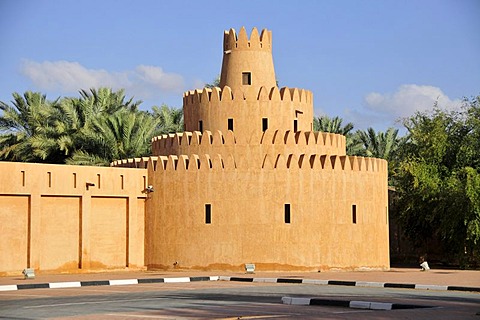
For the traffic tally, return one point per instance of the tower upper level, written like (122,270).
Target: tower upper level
(247,62)
(247,101)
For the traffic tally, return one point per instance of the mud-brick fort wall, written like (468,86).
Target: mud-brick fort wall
(249,182)
(70,218)
(286,212)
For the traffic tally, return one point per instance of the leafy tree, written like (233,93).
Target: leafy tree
(438,180)
(170,119)
(96,128)
(22,125)
(379,144)
(335,125)
(123,134)
(78,115)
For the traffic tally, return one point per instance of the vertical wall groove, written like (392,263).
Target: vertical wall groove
(127,233)
(29,231)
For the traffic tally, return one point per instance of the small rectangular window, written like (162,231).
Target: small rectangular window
(200,126)
(295,125)
(230,124)
(208,213)
(246,78)
(354,213)
(287,212)
(264,124)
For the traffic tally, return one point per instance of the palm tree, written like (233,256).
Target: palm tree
(104,100)
(383,145)
(78,114)
(170,119)
(124,134)
(23,124)
(333,125)
(380,144)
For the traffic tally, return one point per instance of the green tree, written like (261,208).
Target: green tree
(170,119)
(438,180)
(335,125)
(121,135)
(22,127)
(380,144)
(72,118)
(78,115)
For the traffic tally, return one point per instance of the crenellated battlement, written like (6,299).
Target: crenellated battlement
(232,41)
(290,161)
(216,94)
(179,143)
(324,162)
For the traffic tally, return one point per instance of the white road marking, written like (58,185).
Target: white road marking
(75,284)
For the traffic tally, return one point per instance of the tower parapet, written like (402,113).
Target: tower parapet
(242,42)
(247,62)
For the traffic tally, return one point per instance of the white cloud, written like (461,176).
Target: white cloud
(156,77)
(408,99)
(383,110)
(67,77)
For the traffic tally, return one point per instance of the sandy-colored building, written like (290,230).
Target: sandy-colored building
(247,182)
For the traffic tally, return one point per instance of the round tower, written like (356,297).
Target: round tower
(247,62)
(247,101)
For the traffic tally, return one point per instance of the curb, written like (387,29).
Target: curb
(349,304)
(77,284)
(355,283)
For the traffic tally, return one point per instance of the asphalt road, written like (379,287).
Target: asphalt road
(227,300)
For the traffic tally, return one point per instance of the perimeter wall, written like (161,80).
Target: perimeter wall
(53,219)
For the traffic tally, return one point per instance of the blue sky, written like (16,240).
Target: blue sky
(369,62)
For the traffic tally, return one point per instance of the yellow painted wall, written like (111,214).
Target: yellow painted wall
(109,228)
(51,221)
(13,232)
(248,215)
(58,245)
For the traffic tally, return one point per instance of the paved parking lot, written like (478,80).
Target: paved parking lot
(245,299)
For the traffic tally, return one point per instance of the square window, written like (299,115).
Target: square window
(200,126)
(246,78)
(354,213)
(230,124)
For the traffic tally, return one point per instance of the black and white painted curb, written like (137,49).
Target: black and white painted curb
(354,283)
(77,284)
(349,304)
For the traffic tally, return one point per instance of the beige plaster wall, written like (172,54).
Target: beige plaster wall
(247,107)
(247,152)
(248,215)
(14,231)
(52,221)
